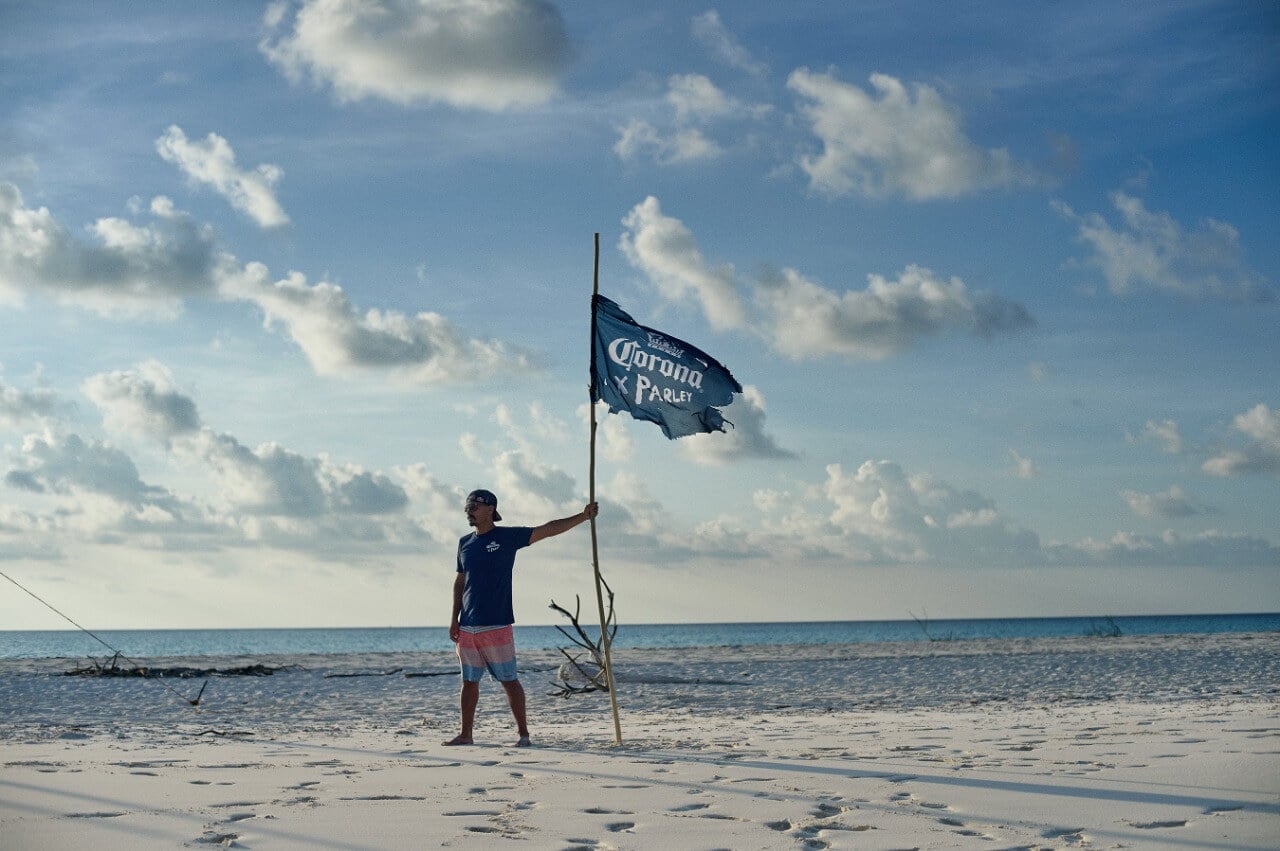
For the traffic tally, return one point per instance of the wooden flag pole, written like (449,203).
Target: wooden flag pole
(595,549)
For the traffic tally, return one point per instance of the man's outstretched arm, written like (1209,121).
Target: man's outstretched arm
(564,524)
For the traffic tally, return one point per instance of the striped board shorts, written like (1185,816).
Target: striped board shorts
(491,649)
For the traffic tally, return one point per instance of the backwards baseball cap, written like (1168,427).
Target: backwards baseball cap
(484,497)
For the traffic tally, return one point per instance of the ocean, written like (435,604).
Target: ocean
(143,644)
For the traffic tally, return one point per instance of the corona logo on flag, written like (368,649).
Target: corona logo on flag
(656,377)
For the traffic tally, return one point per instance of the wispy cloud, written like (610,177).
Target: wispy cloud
(896,144)
(1172,503)
(212,162)
(1152,251)
(710,31)
(481,54)
(691,105)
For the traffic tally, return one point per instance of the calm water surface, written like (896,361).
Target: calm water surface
(252,642)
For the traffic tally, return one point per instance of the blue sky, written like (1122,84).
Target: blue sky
(280,283)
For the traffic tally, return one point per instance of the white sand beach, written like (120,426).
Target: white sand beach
(1129,742)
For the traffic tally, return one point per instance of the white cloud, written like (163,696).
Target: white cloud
(613,438)
(424,348)
(695,98)
(60,463)
(897,517)
(128,268)
(1166,434)
(482,54)
(1152,251)
(803,319)
(22,408)
(664,249)
(895,144)
(154,268)
(694,103)
(1024,468)
(268,481)
(143,401)
(1262,453)
(710,31)
(531,490)
(684,145)
(1205,549)
(1175,502)
(213,163)
(744,438)
(439,504)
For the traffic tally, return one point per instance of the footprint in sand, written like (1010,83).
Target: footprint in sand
(688,808)
(620,826)
(95,815)
(1156,825)
(1068,834)
(226,840)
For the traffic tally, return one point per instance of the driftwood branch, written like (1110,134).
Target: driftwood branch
(98,668)
(592,673)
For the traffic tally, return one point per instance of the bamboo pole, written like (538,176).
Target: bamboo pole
(595,548)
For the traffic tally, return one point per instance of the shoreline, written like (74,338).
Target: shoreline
(1135,742)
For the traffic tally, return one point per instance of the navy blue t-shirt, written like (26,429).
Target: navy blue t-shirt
(487,560)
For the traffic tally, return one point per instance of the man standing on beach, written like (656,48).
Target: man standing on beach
(482,609)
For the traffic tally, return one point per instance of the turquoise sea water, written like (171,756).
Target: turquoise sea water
(140,644)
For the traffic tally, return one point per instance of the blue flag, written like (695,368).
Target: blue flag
(656,377)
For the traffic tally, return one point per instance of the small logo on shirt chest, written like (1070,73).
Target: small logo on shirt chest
(492,547)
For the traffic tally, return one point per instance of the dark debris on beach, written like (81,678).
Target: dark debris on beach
(114,669)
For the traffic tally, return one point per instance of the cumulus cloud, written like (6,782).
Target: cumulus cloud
(693,103)
(710,31)
(894,143)
(1175,502)
(268,480)
(143,401)
(665,250)
(23,408)
(1152,251)
(1166,433)
(803,319)
(126,267)
(901,517)
(800,318)
(64,464)
(1261,454)
(213,163)
(154,268)
(746,438)
(274,480)
(336,338)
(683,145)
(481,54)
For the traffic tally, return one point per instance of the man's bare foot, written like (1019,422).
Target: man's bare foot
(524,742)
(458,740)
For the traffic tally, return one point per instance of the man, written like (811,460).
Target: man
(482,610)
